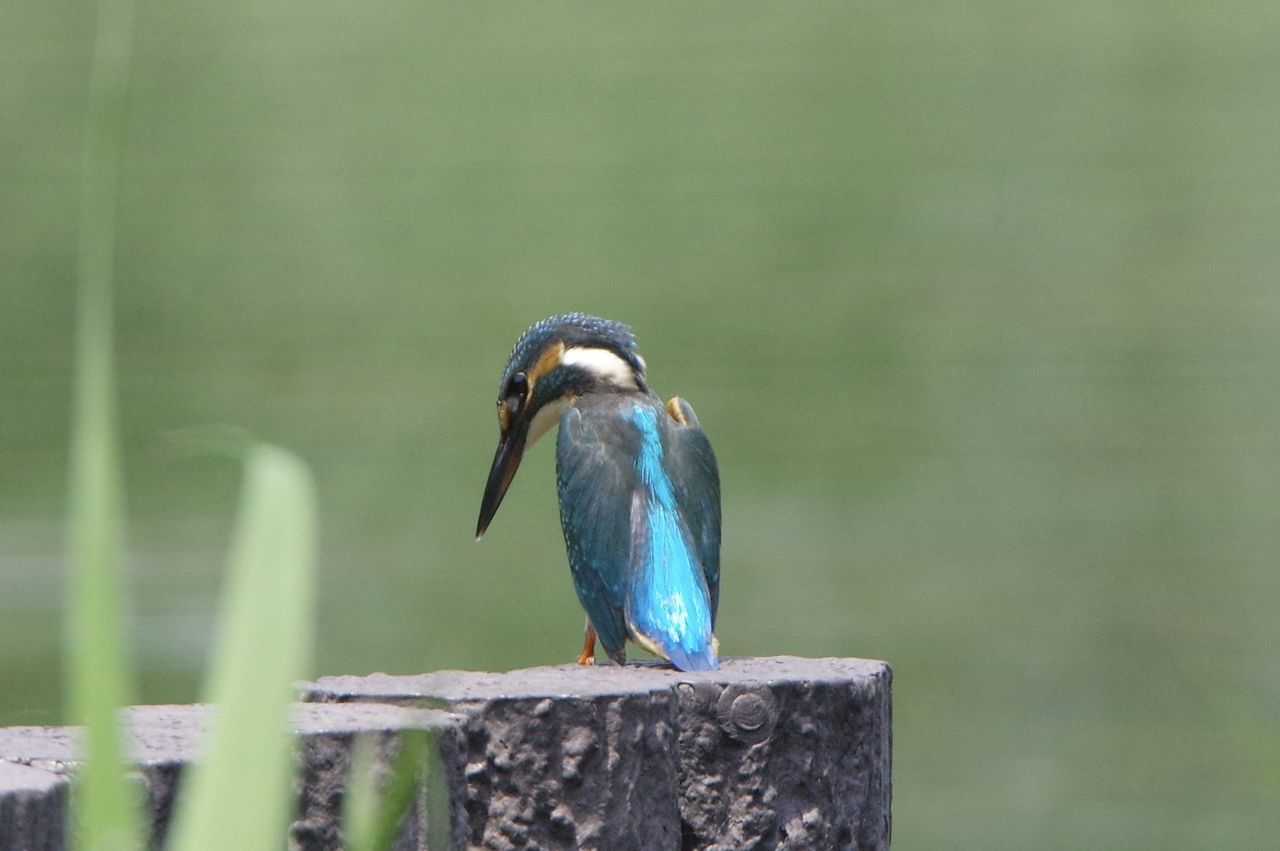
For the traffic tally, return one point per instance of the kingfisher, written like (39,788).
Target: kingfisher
(638,485)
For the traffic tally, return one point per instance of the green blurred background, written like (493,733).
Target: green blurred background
(977,300)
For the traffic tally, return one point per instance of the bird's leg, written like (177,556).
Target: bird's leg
(588,654)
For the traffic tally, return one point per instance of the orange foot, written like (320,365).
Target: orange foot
(588,654)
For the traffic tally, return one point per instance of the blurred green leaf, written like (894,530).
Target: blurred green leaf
(241,791)
(375,807)
(99,673)
(361,803)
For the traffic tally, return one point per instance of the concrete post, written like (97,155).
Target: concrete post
(162,740)
(32,806)
(769,753)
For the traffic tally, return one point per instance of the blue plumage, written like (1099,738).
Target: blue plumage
(638,486)
(668,603)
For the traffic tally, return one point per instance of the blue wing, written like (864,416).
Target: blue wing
(595,479)
(696,480)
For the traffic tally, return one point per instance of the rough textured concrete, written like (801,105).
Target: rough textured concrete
(32,808)
(162,740)
(777,753)
(773,753)
(327,740)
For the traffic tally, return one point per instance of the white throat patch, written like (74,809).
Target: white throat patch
(603,364)
(547,416)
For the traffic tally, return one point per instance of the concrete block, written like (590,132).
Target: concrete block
(163,740)
(33,808)
(769,753)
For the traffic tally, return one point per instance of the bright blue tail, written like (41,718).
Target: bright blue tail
(704,660)
(668,603)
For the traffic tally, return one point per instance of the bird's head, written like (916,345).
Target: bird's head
(553,363)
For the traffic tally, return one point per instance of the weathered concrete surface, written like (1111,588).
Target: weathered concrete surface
(162,740)
(327,741)
(777,753)
(769,753)
(33,807)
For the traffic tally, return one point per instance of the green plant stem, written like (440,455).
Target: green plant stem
(240,795)
(98,670)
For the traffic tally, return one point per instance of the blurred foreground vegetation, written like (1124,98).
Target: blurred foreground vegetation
(978,304)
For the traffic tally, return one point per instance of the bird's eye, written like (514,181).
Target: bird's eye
(517,389)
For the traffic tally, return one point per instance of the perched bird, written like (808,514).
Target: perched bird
(638,485)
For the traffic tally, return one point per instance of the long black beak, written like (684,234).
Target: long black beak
(505,463)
